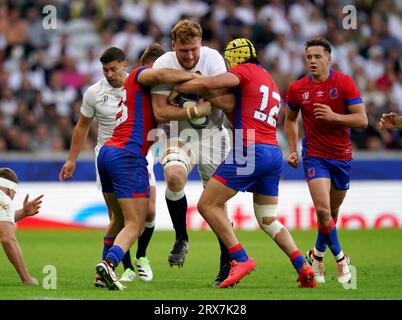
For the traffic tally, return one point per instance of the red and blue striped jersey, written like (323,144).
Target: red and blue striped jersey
(134,118)
(323,139)
(257,105)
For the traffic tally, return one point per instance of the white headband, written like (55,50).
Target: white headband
(8,184)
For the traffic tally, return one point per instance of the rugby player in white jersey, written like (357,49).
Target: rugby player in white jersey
(9,216)
(100,102)
(209,143)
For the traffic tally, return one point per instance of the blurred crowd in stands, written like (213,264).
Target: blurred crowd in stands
(44,72)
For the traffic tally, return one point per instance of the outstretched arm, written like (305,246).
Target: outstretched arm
(153,77)
(14,253)
(204,86)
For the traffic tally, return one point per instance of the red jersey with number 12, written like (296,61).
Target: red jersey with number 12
(134,118)
(257,105)
(321,138)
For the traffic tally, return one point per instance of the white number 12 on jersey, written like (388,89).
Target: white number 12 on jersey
(259,114)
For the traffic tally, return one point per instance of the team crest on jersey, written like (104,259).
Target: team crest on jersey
(333,93)
(306,95)
(311,172)
(105,98)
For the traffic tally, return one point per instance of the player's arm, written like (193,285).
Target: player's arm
(13,251)
(291,130)
(165,112)
(29,208)
(78,139)
(153,77)
(390,121)
(222,100)
(211,89)
(356,118)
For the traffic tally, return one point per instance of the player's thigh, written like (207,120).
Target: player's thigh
(206,171)
(114,206)
(262,199)
(216,194)
(337,197)
(213,148)
(320,193)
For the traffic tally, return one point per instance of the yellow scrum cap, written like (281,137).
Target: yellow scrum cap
(239,51)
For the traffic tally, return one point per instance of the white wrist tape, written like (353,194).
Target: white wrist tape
(189,117)
(8,184)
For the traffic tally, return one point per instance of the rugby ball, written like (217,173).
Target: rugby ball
(188,101)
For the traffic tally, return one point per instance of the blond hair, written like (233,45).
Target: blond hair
(185,31)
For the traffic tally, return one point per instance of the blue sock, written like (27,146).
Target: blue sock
(115,255)
(237,253)
(320,242)
(127,264)
(331,236)
(107,244)
(297,260)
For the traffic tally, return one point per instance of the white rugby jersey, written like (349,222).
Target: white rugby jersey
(7,209)
(210,63)
(100,102)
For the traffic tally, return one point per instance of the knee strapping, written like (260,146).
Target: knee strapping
(177,156)
(268,211)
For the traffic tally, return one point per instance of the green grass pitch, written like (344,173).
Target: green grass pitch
(376,255)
